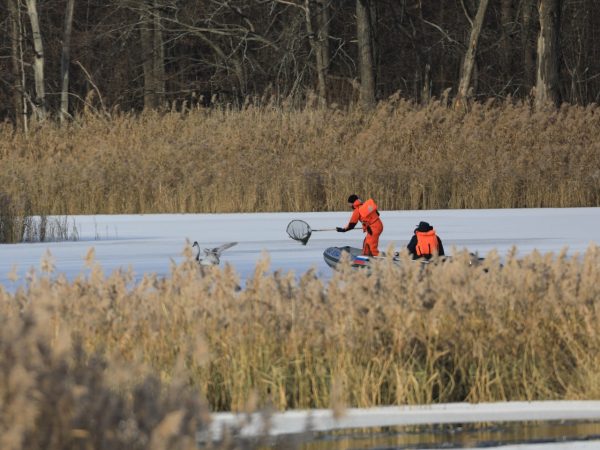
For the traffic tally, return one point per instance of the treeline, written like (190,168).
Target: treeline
(64,56)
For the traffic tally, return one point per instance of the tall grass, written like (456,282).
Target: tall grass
(12,219)
(452,332)
(56,396)
(17,225)
(277,159)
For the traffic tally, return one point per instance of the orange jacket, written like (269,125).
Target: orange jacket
(427,243)
(365,212)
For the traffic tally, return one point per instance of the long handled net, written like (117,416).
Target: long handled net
(299,230)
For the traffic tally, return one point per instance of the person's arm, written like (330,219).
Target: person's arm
(412,245)
(440,247)
(351,224)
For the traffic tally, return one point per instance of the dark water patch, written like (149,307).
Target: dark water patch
(447,436)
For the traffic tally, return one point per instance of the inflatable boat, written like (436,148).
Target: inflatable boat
(333,256)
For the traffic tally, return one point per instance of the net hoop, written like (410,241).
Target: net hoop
(299,230)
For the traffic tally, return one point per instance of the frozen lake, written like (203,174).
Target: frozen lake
(148,243)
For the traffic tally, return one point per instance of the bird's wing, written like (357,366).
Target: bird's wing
(222,248)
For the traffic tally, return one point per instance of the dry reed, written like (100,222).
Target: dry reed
(276,159)
(55,396)
(16,225)
(395,335)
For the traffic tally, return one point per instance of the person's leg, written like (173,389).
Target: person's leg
(370,244)
(366,250)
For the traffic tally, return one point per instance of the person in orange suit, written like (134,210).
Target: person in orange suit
(368,214)
(425,243)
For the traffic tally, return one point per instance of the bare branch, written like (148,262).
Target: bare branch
(444,33)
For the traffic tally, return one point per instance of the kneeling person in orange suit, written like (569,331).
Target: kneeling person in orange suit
(425,243)
(368,215)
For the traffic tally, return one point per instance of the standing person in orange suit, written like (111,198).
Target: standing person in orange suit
(368,215)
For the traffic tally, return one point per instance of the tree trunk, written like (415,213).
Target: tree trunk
(15,46)
(65,61)
(365,54)
(423,60)
(547,89)
(323,19)
(152,55)
(506,14)
(147,61)
(39,103)
(469,61)
(441,70)
(22,70)
(586,32)
(528,57)
(158,54)
(426,89)
(580,20)
(317,26)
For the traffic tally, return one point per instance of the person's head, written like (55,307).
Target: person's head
(354,201)
(423,227)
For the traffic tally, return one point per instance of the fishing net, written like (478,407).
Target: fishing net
(299,230)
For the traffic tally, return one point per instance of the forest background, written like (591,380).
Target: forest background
(145,106)
(126,55)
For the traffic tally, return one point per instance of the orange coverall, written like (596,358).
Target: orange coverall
(371,223)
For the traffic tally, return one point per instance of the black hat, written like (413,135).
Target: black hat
(352,198)
(423,227)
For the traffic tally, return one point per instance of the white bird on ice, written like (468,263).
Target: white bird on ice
(211,256)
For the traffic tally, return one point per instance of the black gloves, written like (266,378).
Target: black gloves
(340,229)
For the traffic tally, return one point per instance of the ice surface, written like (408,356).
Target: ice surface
(147,243)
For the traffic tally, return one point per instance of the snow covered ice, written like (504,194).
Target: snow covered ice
(148,243)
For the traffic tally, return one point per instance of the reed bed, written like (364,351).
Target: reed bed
(529,330)
(272,158)
(56,396)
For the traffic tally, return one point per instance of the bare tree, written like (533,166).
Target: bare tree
(14,18)
(147,61)
(65,60)
(153,56)
(574,50)
(39,103)
(158,53)
(507,25)
(547,89)
(469,60)
(231,51)
(317,26)
(323,20)
(527,48)
(365,54)
(316,19)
